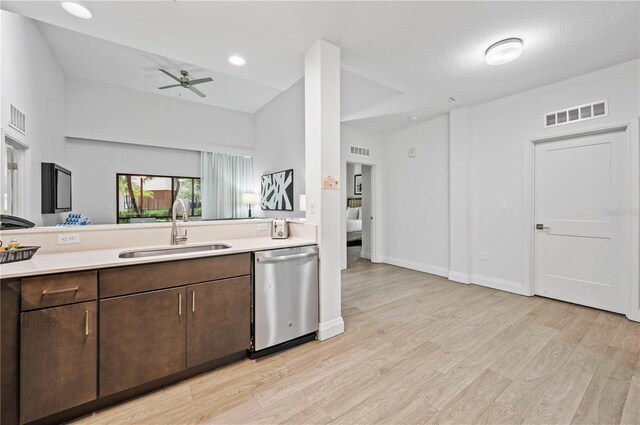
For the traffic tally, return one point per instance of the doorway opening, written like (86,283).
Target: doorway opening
(14,156)
(359,214)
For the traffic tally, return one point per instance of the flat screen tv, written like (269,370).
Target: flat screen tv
(56,188)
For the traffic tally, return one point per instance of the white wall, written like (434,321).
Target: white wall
(352,170)
(34,83)
(279,144)
(99,111)
(94,166)
(416,193)
(497,132)
(416,196)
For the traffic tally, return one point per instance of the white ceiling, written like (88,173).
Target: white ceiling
(417,54)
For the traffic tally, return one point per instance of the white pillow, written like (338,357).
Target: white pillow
(359,213)
(352,213)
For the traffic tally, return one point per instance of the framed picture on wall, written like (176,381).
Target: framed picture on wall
(276,191)
(357,184)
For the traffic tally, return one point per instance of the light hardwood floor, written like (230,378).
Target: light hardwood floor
(420,349)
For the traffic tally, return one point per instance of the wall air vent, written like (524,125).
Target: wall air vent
(359,151)
(17,120)
(577,113)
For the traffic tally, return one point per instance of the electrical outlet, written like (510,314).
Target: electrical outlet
(263,227)
(483,256)
(504,205)
(68,238)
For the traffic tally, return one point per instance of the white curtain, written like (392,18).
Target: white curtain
(224,179)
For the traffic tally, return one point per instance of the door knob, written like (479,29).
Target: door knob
(541,227)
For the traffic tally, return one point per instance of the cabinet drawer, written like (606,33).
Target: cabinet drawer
(147,277)
(58,289)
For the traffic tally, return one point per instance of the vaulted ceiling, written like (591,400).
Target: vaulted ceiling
(399,58)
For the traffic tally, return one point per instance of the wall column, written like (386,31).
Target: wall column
(322,158)
(459,243)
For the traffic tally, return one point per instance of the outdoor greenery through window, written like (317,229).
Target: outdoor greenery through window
(144,199)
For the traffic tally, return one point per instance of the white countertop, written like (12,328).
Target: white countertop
(96,259)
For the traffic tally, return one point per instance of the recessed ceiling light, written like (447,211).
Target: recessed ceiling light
(503,51)
(77,10)
(236,60)
(413,118)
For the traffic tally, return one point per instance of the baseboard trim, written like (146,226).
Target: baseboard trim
(330,329)
(421,267)
(489,282)
(500,284)
(459,277)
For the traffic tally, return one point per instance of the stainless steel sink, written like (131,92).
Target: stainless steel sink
(171,251)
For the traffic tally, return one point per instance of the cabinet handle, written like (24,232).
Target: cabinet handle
(180,304)
(59,291)
(193,301)
(86,322)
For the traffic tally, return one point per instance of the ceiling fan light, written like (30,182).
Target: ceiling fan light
(503,51)
(236,60)
(77,10)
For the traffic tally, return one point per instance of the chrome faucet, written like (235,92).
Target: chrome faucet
(177,239)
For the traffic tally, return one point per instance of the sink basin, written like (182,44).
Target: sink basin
(172,250)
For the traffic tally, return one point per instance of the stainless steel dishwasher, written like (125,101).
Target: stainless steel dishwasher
(285,299)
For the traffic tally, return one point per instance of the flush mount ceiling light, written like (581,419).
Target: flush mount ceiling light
(77,10)
(503,51)
(236,60)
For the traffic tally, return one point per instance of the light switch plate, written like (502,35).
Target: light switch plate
(483,256)
(68,238)
(504,205)
(263,227)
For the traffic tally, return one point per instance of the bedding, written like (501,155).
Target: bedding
(354,226)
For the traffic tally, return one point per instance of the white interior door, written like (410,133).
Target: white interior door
(582,216)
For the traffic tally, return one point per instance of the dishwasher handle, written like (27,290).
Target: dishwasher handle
(285,257)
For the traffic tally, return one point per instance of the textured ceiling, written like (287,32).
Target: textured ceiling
(424,52)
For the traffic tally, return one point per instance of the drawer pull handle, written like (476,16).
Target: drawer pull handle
(86,322)
(193,302)
(180,304)
(59,291)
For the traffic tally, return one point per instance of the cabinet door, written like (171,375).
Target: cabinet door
(142,338)
(58,359)
(219,321)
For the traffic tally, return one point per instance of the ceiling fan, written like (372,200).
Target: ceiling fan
(185,82)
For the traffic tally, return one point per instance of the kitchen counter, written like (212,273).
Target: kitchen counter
(101,258)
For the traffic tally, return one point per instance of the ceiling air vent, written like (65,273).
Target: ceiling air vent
(17,120)
(577,113)
(359,151)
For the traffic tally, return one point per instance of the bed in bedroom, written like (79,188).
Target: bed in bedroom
(354,221)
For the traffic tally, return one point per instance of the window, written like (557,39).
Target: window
(145,198)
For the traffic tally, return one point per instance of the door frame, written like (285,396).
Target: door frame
(631,129)
(375,199)
(24,172)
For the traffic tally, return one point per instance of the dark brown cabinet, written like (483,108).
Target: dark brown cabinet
(57,359)
(218,319)
(80,341)
(142,338)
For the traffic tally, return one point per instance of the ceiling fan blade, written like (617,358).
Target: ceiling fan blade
(200,81)
(170,75)
(196,91)
(168,87)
